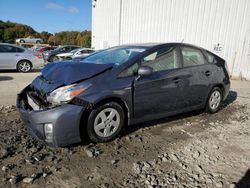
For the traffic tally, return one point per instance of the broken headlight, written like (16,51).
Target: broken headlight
(66,93)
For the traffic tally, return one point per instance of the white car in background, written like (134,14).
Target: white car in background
(29,39)
(19,58)
(77,53)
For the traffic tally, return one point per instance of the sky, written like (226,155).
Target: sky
(48,15)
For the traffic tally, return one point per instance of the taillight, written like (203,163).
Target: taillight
(41,50)
(40,56)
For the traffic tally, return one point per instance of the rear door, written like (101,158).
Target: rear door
(9,56)
(160,92)
(199,76)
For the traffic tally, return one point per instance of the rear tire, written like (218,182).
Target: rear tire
(24,66)
(214,100)
(22,41)
(105,122)
(38,42)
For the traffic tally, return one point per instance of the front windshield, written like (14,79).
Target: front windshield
(116,55)
(58,48)
(74,51)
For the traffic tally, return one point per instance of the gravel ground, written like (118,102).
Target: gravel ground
(189,150)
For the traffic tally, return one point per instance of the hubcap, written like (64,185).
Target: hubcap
(214,100)
(107,122)
(24,66)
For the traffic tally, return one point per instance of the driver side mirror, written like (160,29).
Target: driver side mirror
(145,71)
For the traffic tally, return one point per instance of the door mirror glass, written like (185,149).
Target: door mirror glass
(145,71)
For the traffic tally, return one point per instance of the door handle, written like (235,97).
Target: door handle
(208,73)
(176,80)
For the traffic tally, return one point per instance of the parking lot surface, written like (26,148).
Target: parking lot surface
(12,83)
(188,150)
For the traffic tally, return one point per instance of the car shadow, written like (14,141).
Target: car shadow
(5,78)
(244,181)
(232,96)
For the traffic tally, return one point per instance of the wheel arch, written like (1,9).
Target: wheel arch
(221,87)
(86,113)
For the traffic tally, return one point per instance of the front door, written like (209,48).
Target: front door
(160,92)
(8,57)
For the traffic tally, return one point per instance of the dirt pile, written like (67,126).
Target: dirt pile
(191,150)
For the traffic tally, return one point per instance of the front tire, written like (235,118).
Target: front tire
(24,66)
(22,41)
(214,100)
(105,122)
(38,42)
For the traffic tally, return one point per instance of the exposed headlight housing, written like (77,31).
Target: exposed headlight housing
(64,94)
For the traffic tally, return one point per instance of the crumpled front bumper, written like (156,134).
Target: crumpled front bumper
(66,121)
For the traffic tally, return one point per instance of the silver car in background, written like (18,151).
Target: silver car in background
(29,39)
(19,58)
(76,53)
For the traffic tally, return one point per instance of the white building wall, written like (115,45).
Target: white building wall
(105,23)
(221,26)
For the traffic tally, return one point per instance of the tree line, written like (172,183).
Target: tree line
(10,31)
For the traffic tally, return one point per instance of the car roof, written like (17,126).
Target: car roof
(151,45)
(145,45)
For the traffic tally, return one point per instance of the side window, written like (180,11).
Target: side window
(7,49)
(68,49)
(2,50)
(210,57)
(192,57)
(83,52)
(163,59)
(19,50)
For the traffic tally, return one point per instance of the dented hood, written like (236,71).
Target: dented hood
(58,74)
(71,72)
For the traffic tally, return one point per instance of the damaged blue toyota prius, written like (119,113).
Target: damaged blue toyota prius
(121,86)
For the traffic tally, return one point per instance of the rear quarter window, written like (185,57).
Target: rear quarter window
(210,57)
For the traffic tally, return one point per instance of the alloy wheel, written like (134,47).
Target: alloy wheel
(107,122)
(214,100)
(24,66)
